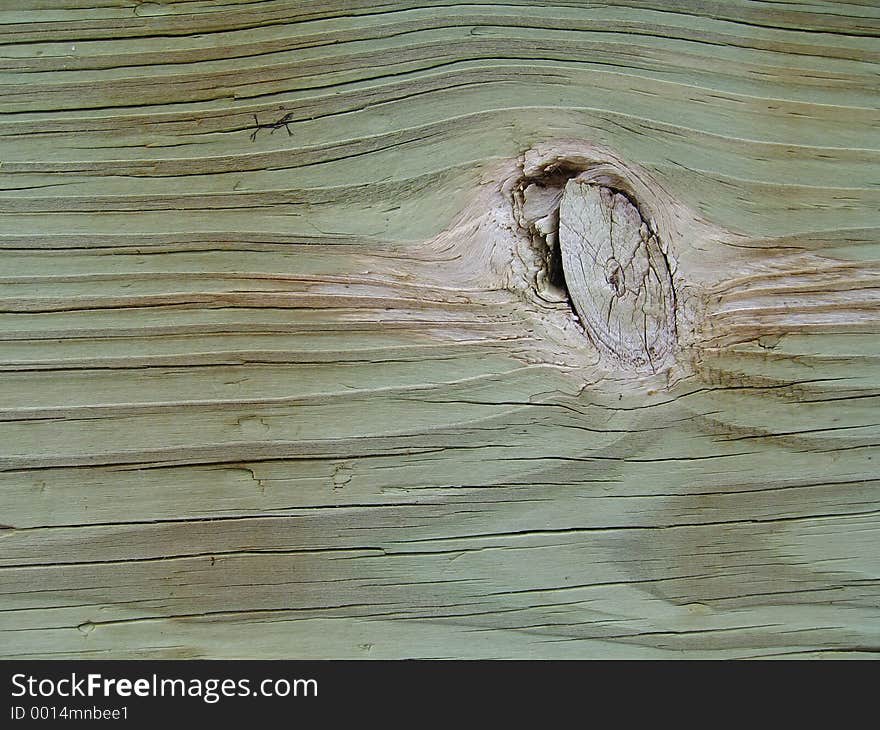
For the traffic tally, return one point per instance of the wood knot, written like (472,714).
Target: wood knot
(602,253)
(616,274)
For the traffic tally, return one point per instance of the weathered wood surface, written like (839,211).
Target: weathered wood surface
(306,393)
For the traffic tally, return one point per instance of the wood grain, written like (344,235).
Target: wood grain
(312,394)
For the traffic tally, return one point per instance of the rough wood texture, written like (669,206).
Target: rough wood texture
(287,370)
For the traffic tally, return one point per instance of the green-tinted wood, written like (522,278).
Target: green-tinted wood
(299,396)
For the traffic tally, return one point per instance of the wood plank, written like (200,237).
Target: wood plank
(312,387)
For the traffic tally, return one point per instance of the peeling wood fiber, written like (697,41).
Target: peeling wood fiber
(296,361)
